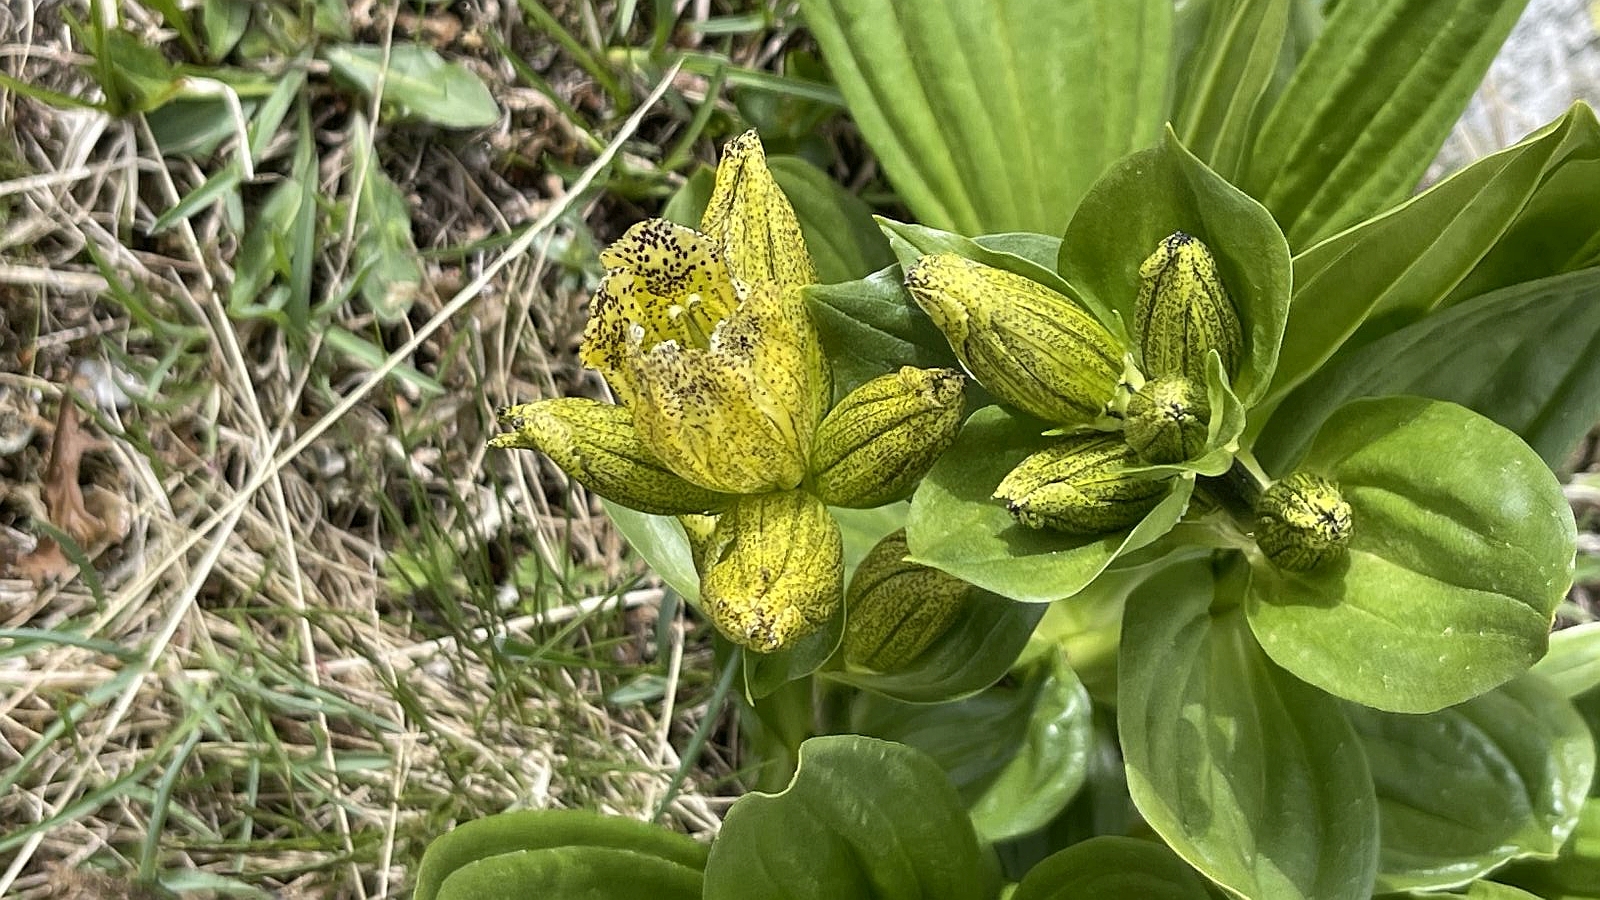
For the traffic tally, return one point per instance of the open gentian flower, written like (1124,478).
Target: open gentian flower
(705,338)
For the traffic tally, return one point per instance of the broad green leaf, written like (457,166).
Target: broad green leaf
(1463,790)
(1477,231)
(839,230)
(1089,630)
(956,524)
(1526,356)
(418,84)
(385,252)
(1113,868)
(1461,547)
(1222,85)
(1369,106)
(689,202)
(862,818)
(573,873)
(1253,777)
(1489,890)
(1148,196)
(1575,874)
(1573,663)
(1017,752)
(992,117)
(663,544)
(974,652)
(872,326)
(542,829)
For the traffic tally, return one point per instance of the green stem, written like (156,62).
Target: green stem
(1238,490)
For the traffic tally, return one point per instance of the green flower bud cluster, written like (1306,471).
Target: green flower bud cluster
(896,609)
(1039,351)
(705,337)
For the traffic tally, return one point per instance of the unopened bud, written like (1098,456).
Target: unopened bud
(596,444)
(1028,345)
(1081,486)
(1302,522)
(1184,311)
(1168,420)
(897,609)
(884,436)
(779,571)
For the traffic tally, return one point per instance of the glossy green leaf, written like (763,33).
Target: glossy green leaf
(1017,752)
(1156,192)
(1221,86)
(862,818)
(1463,790)
(663,544)
(1482,229)
(871,326)
(956,524)
(1574,874)
(1573,663)
(1369,106)
(1489,890)
(573,873)
(1253,777)
(418,84)
(974,652)
(1113,868)
(1527,356)
(1461,547)
(530,830)
(997,118)
(839,230)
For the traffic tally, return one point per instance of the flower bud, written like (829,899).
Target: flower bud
(1184,311)
(1081,486)
(1302,522)
(779,571)
(883,437)
(1026,344)
(1168,420)
(897,609)
(596,444)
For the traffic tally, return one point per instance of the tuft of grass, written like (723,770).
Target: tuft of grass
(288,291)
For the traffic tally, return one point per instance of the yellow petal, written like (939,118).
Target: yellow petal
(664,282)
(707,417)
(793,387)
(752,221)
(779,574)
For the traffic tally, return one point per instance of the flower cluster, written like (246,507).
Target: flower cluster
(704,336)
(1129,418)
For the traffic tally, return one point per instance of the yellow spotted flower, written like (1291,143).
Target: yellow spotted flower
(704,336)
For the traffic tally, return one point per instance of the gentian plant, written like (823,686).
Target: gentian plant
(1238,578)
